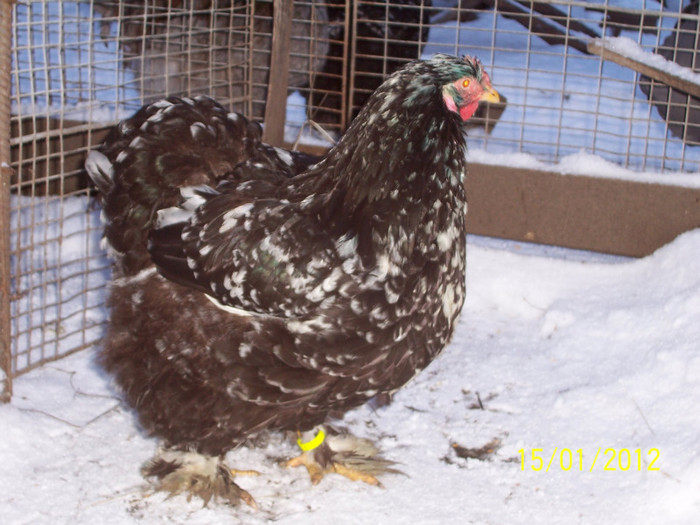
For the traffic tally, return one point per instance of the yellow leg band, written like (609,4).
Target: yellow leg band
(314,443)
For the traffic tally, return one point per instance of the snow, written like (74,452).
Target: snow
(59,274)
(58,70)
(583,163)
(556,348)
(629,48)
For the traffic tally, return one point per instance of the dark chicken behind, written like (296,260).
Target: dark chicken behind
(387,34)
(254,290)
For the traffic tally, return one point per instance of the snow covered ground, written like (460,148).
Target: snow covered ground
(576,354)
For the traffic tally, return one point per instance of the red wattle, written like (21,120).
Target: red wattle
(467,111)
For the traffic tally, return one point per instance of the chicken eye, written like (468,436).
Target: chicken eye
(465,82)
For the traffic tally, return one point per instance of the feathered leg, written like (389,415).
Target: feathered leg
(198,475)
(341,453)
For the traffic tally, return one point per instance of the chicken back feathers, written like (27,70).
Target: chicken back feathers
(256,288)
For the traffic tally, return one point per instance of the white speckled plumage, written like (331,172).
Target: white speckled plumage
(287,288)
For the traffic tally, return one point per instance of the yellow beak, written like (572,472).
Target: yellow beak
(490,95)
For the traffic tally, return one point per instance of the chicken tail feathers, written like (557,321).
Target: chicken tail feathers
(101,171)
(145,161)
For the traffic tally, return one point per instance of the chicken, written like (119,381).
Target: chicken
(183,46)
(258,289)
(385,36)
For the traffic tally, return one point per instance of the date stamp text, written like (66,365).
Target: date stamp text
(606,459)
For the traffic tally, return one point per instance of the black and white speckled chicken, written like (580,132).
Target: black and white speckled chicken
(256,291)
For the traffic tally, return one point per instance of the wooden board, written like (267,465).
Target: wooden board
(589,213)
(599,47)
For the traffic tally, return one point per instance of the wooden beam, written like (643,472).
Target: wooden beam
(601,48)
(613,216)
(5,173)
(276,104)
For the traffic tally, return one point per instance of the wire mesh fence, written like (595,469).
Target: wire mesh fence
(572,73)
(76,69)
(563,97)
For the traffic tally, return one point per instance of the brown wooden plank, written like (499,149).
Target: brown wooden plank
(598,47)
(5,172)
(48,154)
(589,213)
(276,105)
